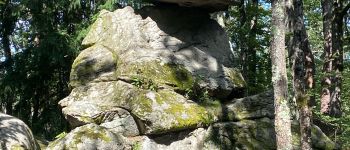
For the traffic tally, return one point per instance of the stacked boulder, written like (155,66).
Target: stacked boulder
(161,77)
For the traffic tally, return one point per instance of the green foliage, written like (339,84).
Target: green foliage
(340,127)
(238,26)
(198,94)
(110,5)
(345,119)
(61,135)
(144,83)
(314,26)
(136,146)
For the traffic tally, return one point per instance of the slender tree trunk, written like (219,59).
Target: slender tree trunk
(279,77)
(337,34)
(327,53)
(302,63)
(243,40)
(252,45)
(333,14)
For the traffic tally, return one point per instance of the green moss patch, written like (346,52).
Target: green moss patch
(161,74)
(236,77)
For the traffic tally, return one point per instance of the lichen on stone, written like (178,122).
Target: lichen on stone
(162,74)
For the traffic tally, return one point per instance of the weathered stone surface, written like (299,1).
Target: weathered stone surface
(94,64)
(157,65)
(245,134)
(212,5)
(120,121)
(251,107)
(154,42)
(322,142)
(186,140)
(15,134)
(162,73)
(155,111)
(89,137)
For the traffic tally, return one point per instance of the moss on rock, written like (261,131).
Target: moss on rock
(94,63)
(168,111)
(236,77)
(89,136)
(162,74)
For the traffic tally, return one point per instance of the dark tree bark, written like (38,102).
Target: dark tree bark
(7,25)
(243,39)
(302,65)
(333,14)
(327,45)
(252,45)
(279,77)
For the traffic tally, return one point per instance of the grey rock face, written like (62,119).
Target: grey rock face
(148,62)
(132,41)
(245,134)
(120,121)
(89,137)
(15,134)
(155,111)
(251,107)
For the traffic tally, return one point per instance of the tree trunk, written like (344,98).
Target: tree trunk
(333,14)
(252,47)
(337,34)
(279,77)
(302,65)
(243,40)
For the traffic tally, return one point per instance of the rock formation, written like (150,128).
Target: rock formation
(15,134)
(162,78)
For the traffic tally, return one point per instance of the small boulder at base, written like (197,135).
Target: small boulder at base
(89,137)
(15,134)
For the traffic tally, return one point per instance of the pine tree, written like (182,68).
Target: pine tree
(279,77)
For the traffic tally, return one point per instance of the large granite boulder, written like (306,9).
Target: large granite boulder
(157,65)
(162,78)
(15,134)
